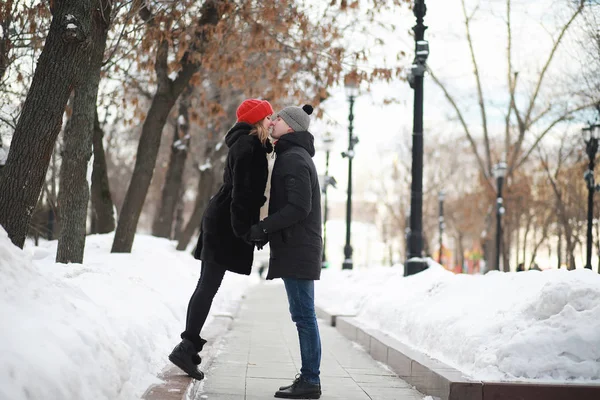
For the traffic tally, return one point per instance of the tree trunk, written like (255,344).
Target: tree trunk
(506,244)
(526,234)
(59,69)
(178,218)
(142,173)
(166,95)
(461,252)
(206,186)
(52,197)
(74,188)
(570,251)
(517,239)
(171,191)
(103,217)
(493,265)
(455,260)
(559,247)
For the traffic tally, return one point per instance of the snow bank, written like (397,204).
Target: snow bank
(534,325)
(101,330)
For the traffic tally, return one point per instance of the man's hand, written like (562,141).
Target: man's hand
(256,235)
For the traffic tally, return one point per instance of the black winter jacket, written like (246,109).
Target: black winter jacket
(294,221)
(236,206)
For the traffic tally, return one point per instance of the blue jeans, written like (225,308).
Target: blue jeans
(301,297)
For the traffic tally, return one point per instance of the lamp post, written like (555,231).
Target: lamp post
(415,263)
(499,174)
(351,84)
(329,180)
(442,224)
(591,134)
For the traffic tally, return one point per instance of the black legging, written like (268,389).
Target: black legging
(200,302)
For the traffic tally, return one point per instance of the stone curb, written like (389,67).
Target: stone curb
(329,317)
(434,378)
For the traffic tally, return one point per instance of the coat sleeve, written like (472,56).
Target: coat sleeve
(241,195)
(298,193)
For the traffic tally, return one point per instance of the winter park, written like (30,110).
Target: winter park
(244,200)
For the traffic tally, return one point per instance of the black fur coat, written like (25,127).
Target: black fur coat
(236,206)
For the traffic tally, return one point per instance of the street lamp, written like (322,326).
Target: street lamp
(442,224)
(329,180)
(351,84)
(499,174)
(415,263)
(591,134)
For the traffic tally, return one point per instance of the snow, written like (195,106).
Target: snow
(1,32)
(98,330)
(525,326)
(205,166)
(181,120)
(218,146)
(179,145)
(71,26)
(103,329)
(3,155)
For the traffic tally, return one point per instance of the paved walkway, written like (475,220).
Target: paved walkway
(261,353)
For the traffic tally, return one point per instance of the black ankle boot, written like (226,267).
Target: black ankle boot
(184,355)
(198,343)
(300,389)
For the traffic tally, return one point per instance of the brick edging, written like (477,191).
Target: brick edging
(434,378)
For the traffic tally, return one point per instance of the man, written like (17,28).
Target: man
(293,229)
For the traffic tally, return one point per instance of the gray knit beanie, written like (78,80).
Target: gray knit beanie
(297,118)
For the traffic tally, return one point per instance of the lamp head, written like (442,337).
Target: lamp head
(595,131)
(500,170)
(587,134)
(420,9)
(351,84)
(327,142)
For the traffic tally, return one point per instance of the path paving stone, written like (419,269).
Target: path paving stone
(261,353)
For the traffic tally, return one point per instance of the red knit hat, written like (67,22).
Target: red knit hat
(253,110)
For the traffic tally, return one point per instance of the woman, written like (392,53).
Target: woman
(223,244)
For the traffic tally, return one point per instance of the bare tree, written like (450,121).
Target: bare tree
(103,216)
(59,69)
(568,193)
(74,192)
(172,188)
(525,124)
(167,93)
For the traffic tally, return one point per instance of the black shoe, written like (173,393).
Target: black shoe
(184,355)
(293,383)
(300,389)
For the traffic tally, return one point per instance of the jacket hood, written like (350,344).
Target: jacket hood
(238,130)
(303,139)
